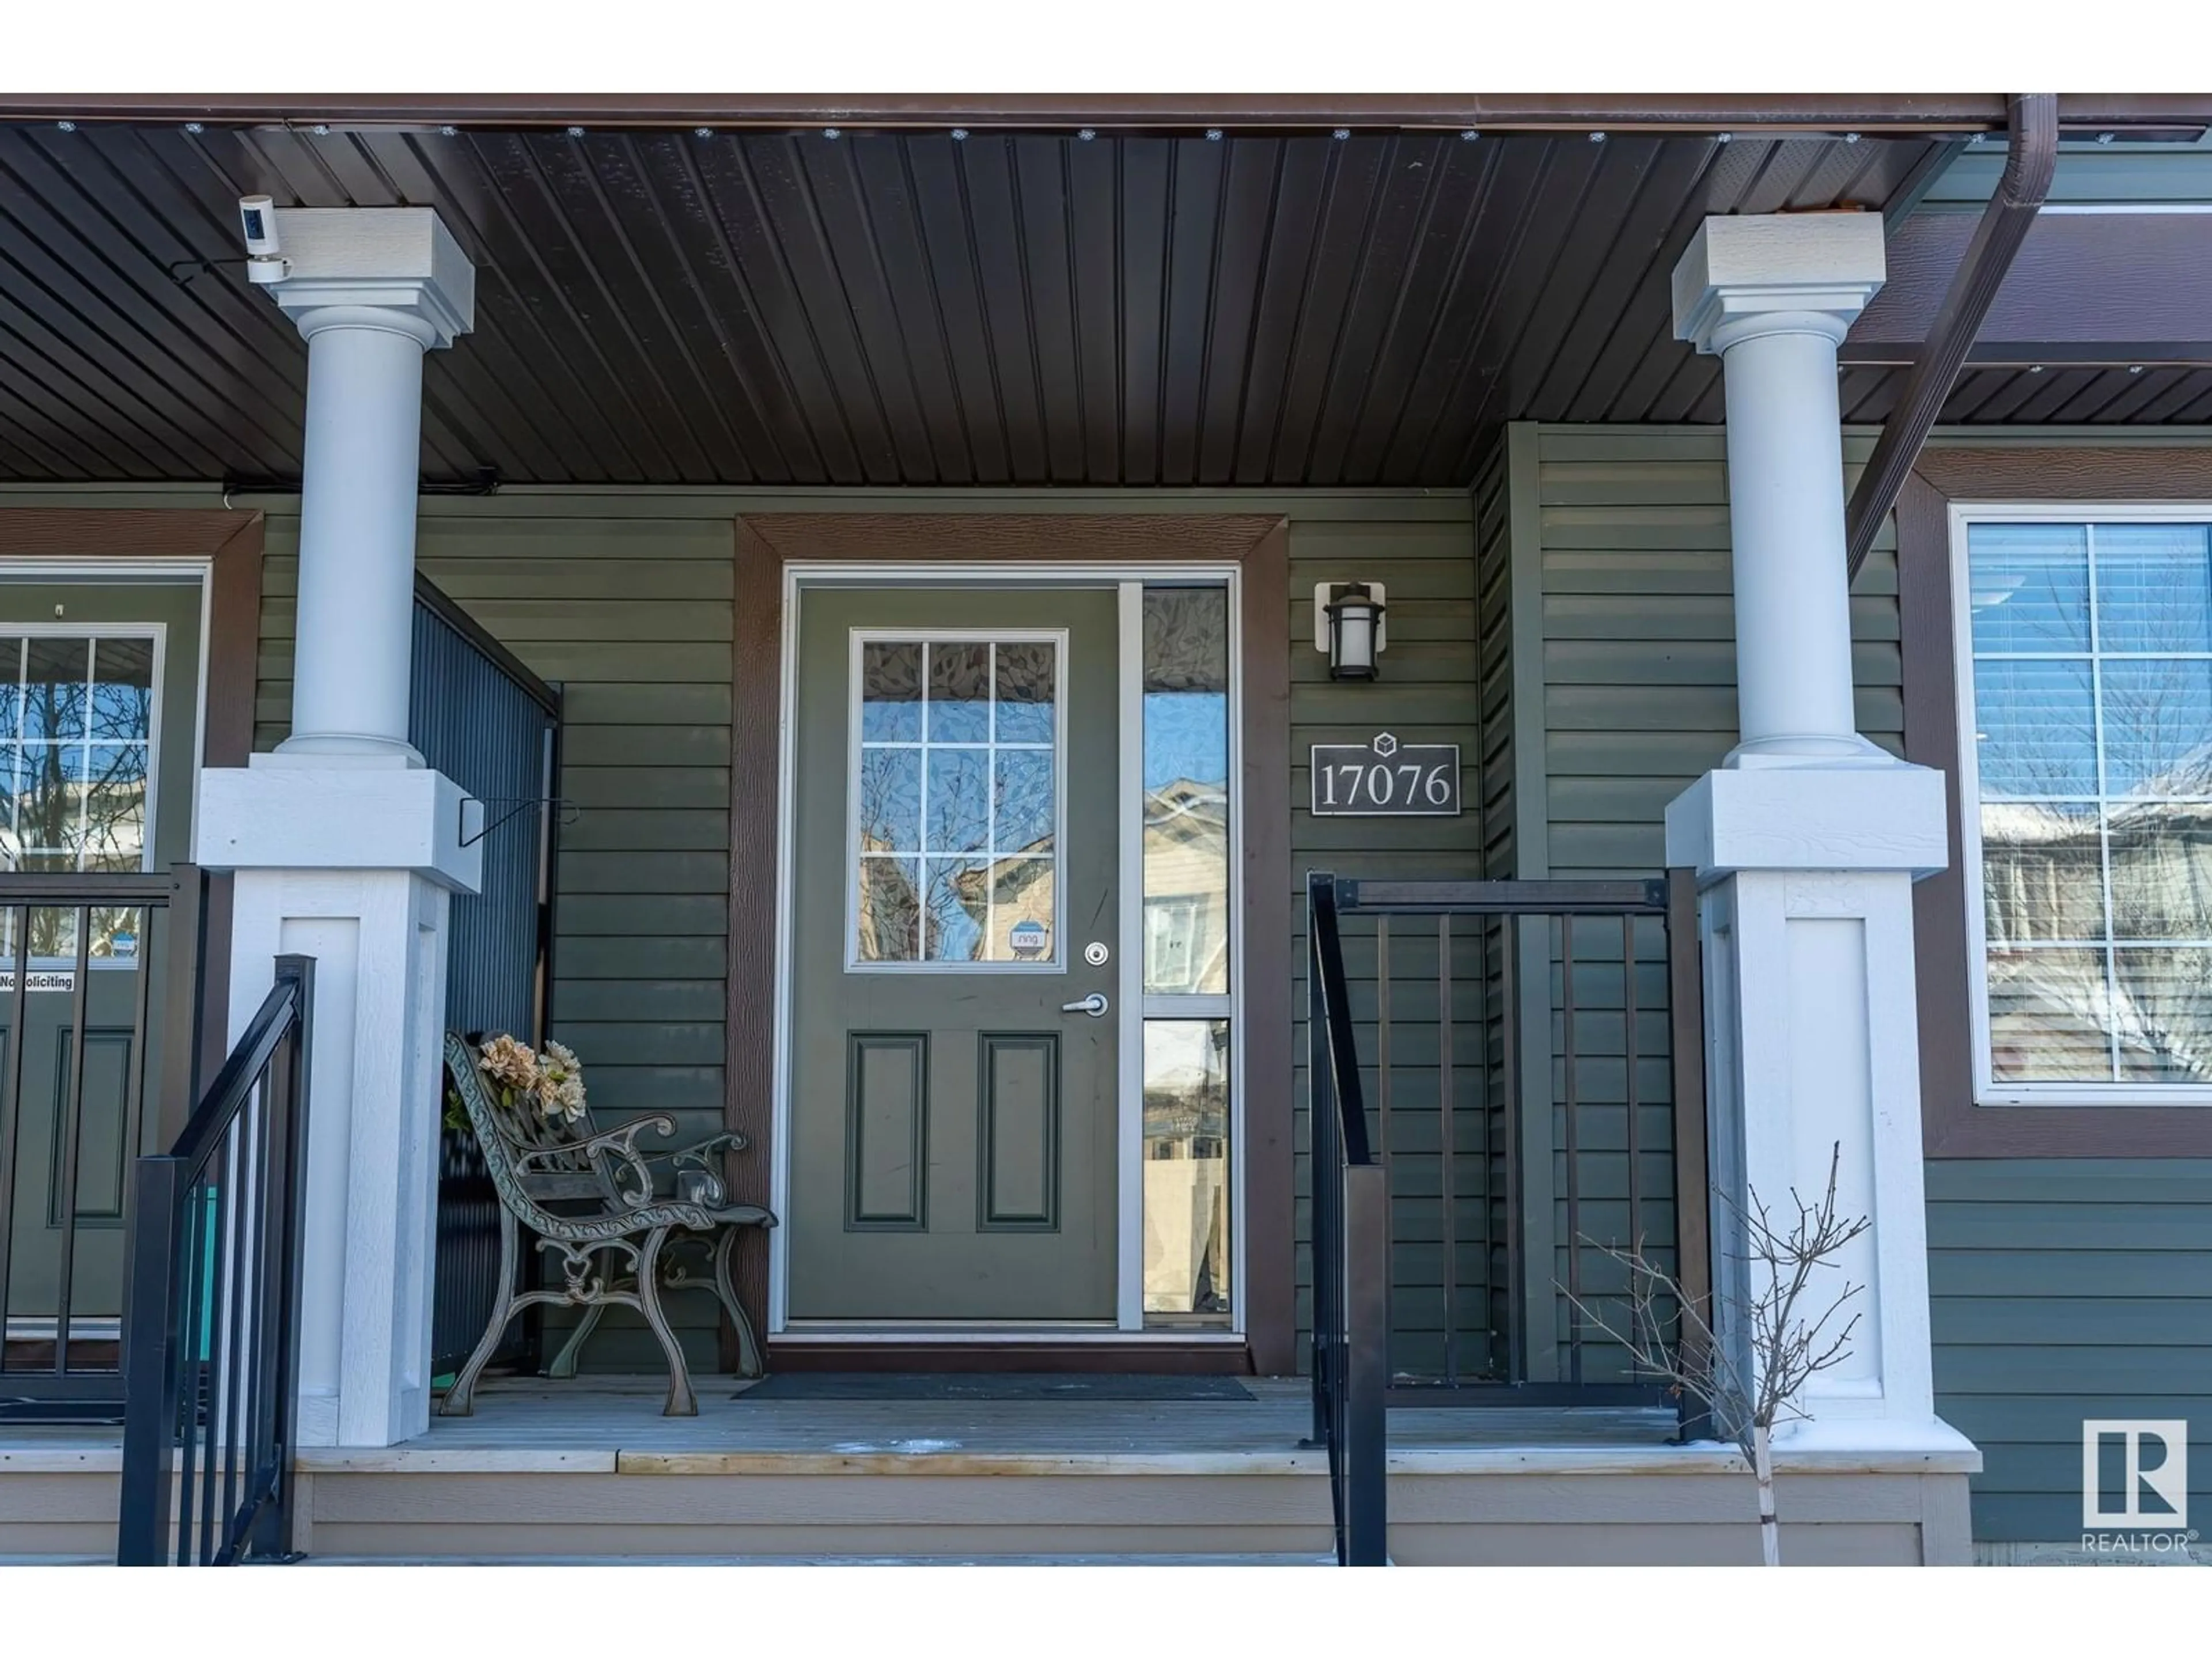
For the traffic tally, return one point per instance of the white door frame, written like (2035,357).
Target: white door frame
(1128,581)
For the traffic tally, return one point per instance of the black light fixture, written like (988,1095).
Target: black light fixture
(1355,631)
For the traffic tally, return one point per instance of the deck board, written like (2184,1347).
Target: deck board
(614,1425)
(606,1424)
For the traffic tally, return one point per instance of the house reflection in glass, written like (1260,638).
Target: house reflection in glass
(1187,1257)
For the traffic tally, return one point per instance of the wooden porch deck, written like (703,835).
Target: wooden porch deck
(615,1424)
(591,1470)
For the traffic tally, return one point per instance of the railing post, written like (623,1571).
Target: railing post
(185,966)
(1685,1011)
(150,1344)
(1365,1360)
(287,1193)
(1321,1106)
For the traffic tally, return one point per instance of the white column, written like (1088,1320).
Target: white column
(371,289)
(357,530)
(1773,297)
(346,848)
(1808,839)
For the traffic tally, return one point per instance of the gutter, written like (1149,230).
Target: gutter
(1876,115)
(2032,159)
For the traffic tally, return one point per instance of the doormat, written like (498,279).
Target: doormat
(996,1385)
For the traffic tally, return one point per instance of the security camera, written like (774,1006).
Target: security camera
(257,218)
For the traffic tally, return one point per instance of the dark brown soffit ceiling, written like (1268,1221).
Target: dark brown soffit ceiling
(656,305)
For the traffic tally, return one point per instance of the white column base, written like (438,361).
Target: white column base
(1812,1039)
(356,868)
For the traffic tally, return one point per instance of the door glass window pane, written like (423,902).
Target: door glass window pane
(890,910)
(2091,669)
(1187,1261)
(890,807)
(955,811)
(77,726)
(1186,665)
(1022,895)
(114,825)
(1022,798)
(891,691)
(959,816)
(959,694)
(1025,692)
(957,910)
(56,674)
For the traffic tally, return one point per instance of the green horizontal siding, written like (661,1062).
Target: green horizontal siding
(2061,1289)
(625,600)
(1637,629)
(631,618)
(1428,690)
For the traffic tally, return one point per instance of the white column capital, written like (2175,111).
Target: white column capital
(395,268)
(1746,275)
(307,812)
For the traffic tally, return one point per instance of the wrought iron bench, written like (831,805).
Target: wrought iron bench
(592,1196)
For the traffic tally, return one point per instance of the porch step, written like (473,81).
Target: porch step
(1277,1559)
(806,1509)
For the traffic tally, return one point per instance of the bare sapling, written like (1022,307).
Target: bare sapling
(1753,1384)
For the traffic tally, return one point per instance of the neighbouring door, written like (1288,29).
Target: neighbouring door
(99,734)
(955,862)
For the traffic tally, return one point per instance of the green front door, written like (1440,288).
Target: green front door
(954,855)
(99,733)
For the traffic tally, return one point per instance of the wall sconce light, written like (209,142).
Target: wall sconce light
(1348,628)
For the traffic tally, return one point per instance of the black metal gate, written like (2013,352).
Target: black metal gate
(1533,1063)
(494,727)
(1506,1088)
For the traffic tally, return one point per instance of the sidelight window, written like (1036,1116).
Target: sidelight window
(1187,1053)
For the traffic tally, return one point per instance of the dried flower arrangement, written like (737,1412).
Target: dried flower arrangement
(551,1081)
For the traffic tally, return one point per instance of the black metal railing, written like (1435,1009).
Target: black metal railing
(100,979)
(1351,1253)
(482,718)
(213,1343)
(1536,1056)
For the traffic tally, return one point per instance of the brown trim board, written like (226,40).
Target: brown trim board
(1259,544)
(1819,113)
(1952,1125)
(801,1352)
(231,541)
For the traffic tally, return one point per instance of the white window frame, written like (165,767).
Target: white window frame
(1963,515)
(860,638)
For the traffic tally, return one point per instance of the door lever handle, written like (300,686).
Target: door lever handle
(1094,1005)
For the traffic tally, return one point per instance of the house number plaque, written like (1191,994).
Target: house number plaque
(1384,778)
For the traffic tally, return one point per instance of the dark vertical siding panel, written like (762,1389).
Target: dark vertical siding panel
(484,728)
(476,725)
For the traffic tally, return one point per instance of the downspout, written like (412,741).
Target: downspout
(2032,156)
